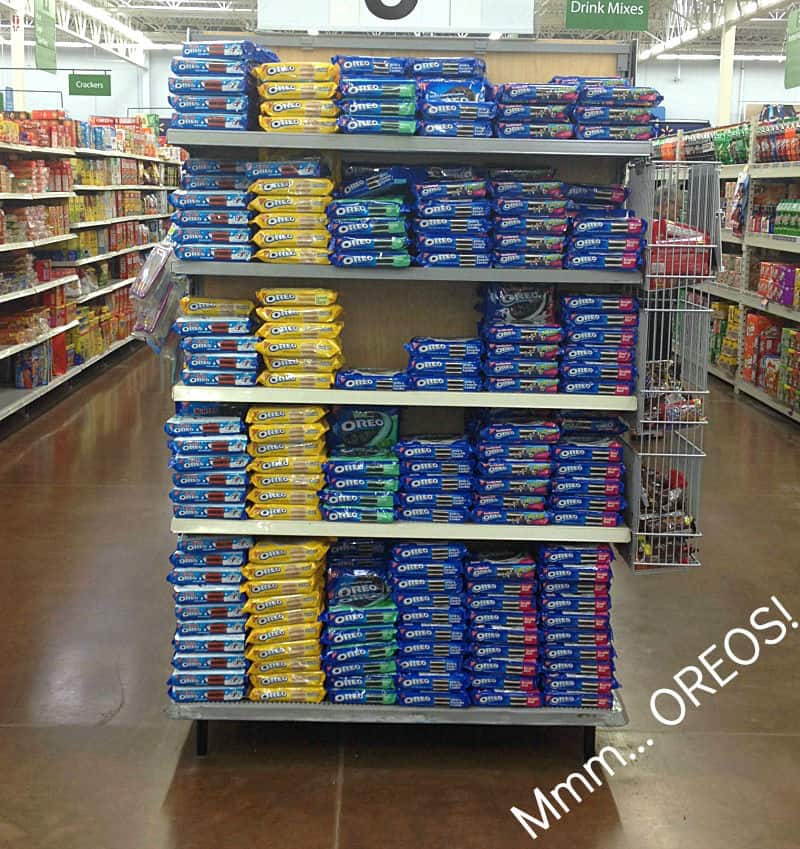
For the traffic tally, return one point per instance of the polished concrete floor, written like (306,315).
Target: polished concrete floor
(88,759)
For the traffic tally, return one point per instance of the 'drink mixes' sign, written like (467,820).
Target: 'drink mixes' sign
(90,85)
(398,15)
(608,15)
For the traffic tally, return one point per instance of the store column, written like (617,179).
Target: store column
(726,51)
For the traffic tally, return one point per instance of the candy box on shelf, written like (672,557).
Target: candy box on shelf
(761,336)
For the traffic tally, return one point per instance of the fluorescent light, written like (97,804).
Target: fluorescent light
(110,21)
(313,32)
(713,57)
(495,36)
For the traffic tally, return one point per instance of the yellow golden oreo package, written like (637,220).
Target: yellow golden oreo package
(300,364)
(291,124)
(291,221)
(301,648)
(301,548)
(314,482)
(265,205)
(213,307)
(293,186)
(291,314)
(292,238)
(296,380)
(299,108)
(300,330)
(294,497)
(283,513)
(288,296)
(318,72)
(309,695)
(315,449)
(297,90)
(299,678)
(309,256)
(281,432)
(285,633)
(272,465)
(258,606)
(284,415)
(299,348)
(281,569)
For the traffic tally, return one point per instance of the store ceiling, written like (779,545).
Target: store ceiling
(167,21)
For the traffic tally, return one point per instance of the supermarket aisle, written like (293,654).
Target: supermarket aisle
(86,624)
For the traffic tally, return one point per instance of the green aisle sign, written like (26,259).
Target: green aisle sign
(791,69)
(90,85)
(608,15)
(44,34)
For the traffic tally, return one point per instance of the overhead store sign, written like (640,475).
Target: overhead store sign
(608,15)
(398,15)
(791,69)
(90,85)
(44,34)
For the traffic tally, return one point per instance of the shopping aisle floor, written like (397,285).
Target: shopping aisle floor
(89,759)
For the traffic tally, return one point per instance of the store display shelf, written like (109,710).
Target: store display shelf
(720,374)
(730,172)
(403,530)
(768,400)
(88,260)
(515,400)
(404,145)
(38,288)
(85,225)
(119,154)
(750,299)
(35,243)
(12,147)
(126,187)
(21,196)
(406,275)
(773,241)
(10,350)
(730,238)
(13,400)
(391,714)
(105,290)
(775,170)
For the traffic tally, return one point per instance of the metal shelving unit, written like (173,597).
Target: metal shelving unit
(12,400)
(118,154)
(38,288)
(408,275)
(85,225)
(35,196)
(105,290)
(82,187)
(10,350)
(401,148)
(517,400)
(88,260)
(464,148)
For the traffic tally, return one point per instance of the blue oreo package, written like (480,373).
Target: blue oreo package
(206,678)
(613,115)
(369,182)
(587,486)
(619,95)
(444,259)
(594,519)
(479,227)
(430,648)
(432,514)
(371,66)
(436,483)
(432,682)
(214,167)
(208,444)
(455,66)
(432,616)
(367,208)
(205,575)
(376,88)
(444,190)
(212,218)
(359,634)
(488,516)
(236,49)
(423,568)
(219,182)
(522,206)
(370,244)
(452,90)
(457,129)
(208,661)
(415,699)
(418,598)
(360,379)
(392,126)
(238,104)
(525,259)
(598,701)
(531,368)
(598,371)
(453,242)
(445,383)
(458,111)
(357,514)
(207,85)
(523,244)
(208,235)
(363,697)
(357,499)
(616,132)
(208,199)
(587,503)
(208,559)
(606,244)
(247,361)
(519,224)
(422,448)
(362,228)
(184,695)
(521,350)
(428,365)
(537,113)
(536,503)
(526,130)
(208,495)
(199,425)
(499,468)
(515,383)
(208,121)
(208,511)
(597,387)
(223,252)
(210,545)
(219,344)
(416,466)
(597,225)
(536,93)
(503,486)
(208,462)
(442,347)
(437,552)
(420,665)
(453,208)
(371,259)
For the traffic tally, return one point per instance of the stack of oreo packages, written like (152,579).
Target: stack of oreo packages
(576,654)
(428,588)
(453,97)
(359,632)
(376,95)
(502,660)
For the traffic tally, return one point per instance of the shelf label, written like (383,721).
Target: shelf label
(608,15)
(791,69)
(44,34)
(90,85)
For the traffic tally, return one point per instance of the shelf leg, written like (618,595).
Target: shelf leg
(589,741)
(201,737)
